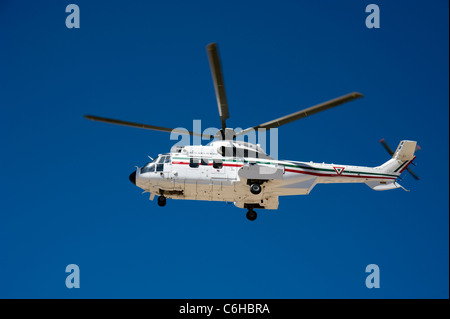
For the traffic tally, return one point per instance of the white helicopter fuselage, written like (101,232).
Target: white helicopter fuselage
(208,173)
(242,173)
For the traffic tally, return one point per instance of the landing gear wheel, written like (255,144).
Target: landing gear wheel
(161,201)
(255,189)
(251,214)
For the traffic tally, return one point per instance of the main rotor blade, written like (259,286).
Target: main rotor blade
(219,86)
(304,113)
(387,147)
(144,126)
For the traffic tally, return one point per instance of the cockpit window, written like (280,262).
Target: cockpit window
(162,159)
(149,167)
(167,159)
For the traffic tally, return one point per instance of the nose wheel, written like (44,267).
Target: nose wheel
(251,214)
(161,201)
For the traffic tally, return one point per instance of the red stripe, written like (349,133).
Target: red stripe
(407,165)
(233,165)
(333,175)
(304,172)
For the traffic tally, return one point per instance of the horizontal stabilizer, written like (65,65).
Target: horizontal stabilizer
(383,186)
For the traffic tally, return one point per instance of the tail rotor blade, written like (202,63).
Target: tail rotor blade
(387,147)
(412,173)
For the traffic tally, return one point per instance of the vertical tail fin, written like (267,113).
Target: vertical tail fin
(402,157)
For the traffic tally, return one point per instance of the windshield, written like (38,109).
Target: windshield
(156,165)
(149,167)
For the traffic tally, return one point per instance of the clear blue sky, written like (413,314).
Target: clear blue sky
(65,193)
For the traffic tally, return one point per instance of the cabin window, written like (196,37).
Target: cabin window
(204,161)
(217,164)
(167,159)
(159,167)
(194,163)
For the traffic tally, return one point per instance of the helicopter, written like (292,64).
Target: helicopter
(242,172)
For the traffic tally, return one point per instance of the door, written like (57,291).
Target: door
(217,170)
(164,167)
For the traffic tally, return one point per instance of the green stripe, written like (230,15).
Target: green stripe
(332,170)
(400,166)
(304,167)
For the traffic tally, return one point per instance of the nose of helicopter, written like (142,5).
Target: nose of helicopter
(132,177)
